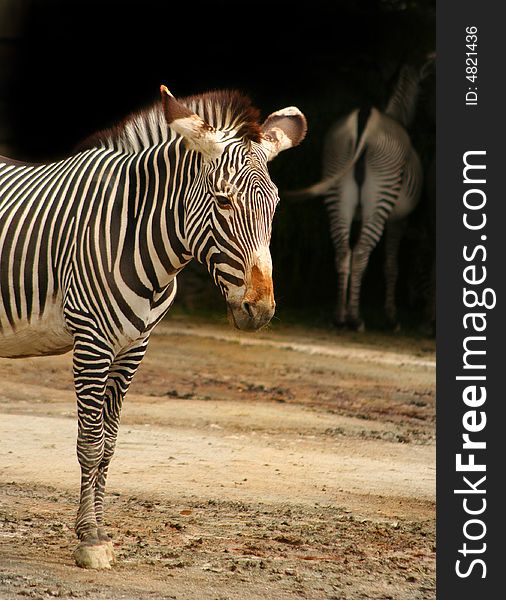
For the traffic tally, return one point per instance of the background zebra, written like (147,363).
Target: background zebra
(371,174)
(90,247)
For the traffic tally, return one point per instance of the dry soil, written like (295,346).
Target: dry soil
(291,463)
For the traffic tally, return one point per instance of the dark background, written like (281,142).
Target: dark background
(77,67)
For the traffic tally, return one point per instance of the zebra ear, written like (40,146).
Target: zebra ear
(283,129)
(198,134)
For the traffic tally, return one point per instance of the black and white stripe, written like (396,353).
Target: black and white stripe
(90,248)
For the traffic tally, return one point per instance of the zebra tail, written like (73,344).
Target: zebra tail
(323,186)
(317,189)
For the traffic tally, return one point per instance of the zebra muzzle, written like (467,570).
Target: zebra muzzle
(250,315)
(253,306)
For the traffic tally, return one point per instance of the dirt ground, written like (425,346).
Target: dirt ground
(291,463)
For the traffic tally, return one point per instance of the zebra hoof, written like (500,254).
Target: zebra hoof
(428,329)
(109,550)
(336,324)
(356,325)
(393,325)
(94,556)
(105,540)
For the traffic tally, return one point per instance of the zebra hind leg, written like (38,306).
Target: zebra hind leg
(359,260)
(394,233)
(120,376)
(342,204)
(343,254)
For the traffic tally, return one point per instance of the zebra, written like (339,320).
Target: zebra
(90,247)
(373,174)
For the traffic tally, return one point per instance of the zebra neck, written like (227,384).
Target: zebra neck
(156,172)
(155,214)
(402,102)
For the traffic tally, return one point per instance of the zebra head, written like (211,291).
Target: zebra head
(231,201)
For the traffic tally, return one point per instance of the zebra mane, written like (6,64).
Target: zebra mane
(402,102)
(226,110)
(223,109)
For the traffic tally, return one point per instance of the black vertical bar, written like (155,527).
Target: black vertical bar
(476,540)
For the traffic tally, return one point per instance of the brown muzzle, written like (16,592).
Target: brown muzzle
(257,306)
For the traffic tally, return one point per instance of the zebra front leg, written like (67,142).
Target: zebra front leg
(91,370)
(120,376)
(394,233)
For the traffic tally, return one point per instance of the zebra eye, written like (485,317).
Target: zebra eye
(224,201)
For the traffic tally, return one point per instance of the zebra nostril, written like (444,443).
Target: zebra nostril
(248,308)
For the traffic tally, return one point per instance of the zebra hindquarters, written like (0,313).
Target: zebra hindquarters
(342,203)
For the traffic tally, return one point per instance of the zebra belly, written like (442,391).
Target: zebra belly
(40,337)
